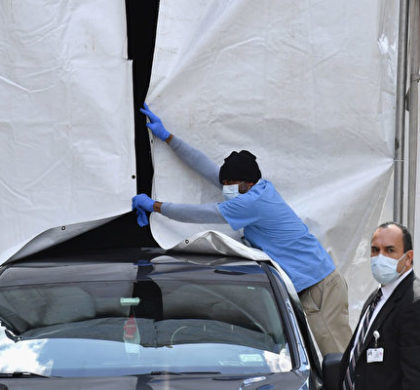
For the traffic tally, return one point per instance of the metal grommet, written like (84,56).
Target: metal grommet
(133,176)
(187,242)
(63,228)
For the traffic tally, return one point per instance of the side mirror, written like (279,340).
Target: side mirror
(331,371)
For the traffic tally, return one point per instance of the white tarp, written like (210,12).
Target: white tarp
(309,87)
(66,119)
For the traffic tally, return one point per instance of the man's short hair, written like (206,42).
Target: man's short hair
(408,243)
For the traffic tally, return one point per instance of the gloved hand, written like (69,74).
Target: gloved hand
(142,219)
(155,124)
(142,201)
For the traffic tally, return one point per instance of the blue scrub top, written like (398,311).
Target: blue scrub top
(272,226)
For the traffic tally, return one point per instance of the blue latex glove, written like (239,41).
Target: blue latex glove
(142,219)
(142,201)
(155,124)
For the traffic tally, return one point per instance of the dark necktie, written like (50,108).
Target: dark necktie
(348,383)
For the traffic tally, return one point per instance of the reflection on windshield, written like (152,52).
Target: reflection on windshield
(14,357)
(80,357)
(121,328)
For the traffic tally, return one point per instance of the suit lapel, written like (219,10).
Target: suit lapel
(390,305)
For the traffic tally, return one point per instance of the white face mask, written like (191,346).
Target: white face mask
(384,269)
(230,191)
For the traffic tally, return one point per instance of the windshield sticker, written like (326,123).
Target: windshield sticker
(251,358)
(129,301)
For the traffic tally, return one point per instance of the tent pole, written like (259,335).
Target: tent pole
(400,112)
(413,101)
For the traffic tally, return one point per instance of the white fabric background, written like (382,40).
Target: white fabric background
(307,86)
(66,118)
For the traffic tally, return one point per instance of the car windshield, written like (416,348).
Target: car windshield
(228,324)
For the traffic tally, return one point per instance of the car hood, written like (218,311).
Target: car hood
(288,381)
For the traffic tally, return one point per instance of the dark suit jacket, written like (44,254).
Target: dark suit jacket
(398,324)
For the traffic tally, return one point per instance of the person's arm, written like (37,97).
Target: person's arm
(194,213)
(195,159)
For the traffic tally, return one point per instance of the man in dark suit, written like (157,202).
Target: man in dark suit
(384,352)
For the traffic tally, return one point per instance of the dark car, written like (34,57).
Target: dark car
(146,319)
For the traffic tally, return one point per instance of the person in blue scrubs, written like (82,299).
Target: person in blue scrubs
(269,223)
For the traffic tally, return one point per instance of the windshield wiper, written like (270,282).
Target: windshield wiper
(22,374)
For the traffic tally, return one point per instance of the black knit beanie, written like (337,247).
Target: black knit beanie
(240,166)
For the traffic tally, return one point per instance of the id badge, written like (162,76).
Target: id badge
(375,355)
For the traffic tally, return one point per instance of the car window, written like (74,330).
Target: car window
(154,324)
